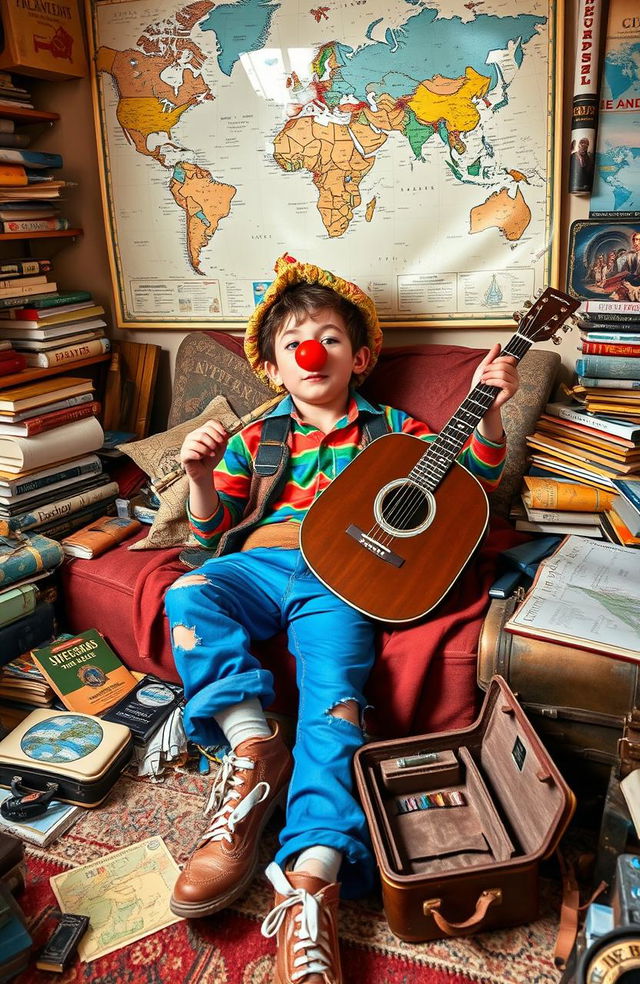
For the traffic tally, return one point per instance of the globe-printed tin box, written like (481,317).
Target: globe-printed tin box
(83,754)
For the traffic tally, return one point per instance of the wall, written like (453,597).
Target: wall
(84,264)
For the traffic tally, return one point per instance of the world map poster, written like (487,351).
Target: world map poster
(406,145)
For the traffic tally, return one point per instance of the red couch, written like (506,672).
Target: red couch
(425,676)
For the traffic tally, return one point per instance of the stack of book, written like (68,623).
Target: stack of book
(28,209)
(592,450)
(10,359)
(609,368)
(59,330)
(13,96)
(558,506)
(51,479)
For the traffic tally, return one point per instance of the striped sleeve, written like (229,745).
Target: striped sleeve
(484,459)
(232,482)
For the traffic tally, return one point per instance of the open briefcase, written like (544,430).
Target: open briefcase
(461,820)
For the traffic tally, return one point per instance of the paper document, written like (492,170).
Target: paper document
(586,594)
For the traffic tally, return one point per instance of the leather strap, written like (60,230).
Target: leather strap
(491,896)
(272,449)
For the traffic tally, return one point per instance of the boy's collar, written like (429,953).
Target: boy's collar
(286,407)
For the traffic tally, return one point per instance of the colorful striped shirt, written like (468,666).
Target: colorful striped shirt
(315,459)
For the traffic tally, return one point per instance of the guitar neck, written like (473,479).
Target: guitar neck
(441,453)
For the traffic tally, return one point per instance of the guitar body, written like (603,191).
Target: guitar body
(383,544)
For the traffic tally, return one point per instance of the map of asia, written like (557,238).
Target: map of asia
(403,145)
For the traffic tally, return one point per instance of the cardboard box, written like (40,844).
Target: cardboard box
(45,40)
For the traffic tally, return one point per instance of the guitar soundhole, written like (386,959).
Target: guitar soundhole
(402,508)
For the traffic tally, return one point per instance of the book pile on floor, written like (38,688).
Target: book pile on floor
(608,370)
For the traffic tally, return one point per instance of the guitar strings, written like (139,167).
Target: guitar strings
(411,497)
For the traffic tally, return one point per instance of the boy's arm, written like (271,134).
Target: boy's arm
(219,478)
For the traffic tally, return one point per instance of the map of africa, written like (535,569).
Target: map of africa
(616,189)
(404,145)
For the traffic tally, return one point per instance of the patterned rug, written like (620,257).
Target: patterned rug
(228,948)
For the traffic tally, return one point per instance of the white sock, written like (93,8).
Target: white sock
(242,721)
(327,858)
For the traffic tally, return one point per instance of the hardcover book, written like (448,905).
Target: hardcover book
(15,603)
(84,671)
(145,708)
(42,392)
(32,630)
(27,554)
(99,536)
(18,454)
(42,830)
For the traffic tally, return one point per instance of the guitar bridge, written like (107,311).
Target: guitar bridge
(372,545)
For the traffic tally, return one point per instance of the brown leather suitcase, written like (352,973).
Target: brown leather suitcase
(577,700)
(452,870)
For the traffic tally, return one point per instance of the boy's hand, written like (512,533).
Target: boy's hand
(202,449)
(500,371)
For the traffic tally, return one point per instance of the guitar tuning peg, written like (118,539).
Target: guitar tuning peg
(556,340)
(527,304)
(566,328)
(538,293)
(517,316)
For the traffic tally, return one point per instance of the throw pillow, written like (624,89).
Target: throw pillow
(157,455)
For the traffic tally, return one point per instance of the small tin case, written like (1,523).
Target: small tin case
(82,753)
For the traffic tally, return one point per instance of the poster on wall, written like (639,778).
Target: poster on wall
(410,146)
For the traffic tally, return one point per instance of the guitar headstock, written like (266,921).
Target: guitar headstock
(550,311)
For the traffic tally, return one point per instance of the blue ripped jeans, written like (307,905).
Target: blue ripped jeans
(232,600)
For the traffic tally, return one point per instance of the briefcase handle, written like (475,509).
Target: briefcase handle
(490,896)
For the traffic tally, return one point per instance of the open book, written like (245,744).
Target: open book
(586,594)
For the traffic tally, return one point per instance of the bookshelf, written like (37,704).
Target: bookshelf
(31,375)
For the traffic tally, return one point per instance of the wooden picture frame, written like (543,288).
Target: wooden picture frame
(387,155)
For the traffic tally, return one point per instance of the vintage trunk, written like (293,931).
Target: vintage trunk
(452,870)
(577,699)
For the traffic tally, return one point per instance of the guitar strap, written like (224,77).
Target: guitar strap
(273,451)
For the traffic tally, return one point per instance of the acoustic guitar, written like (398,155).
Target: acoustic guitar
(392,533)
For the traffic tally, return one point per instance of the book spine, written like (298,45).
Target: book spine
(609,348)
(630,310)
(37,425)
(20,290)
(15,364)
(611,337)
(55,300)
(30,158)
(32,485)
(609,366)
(12,175)
(584,117)
(23,282)
(22,268)
(57,529)
(599,383)
(39,554)
(35,225)
(24,415)
(21,636)
(63,507)
(71,353)
(593,423)
(17,602)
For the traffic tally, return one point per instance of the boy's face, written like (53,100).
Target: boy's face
(316,387)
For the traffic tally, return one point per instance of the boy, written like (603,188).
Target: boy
(236,597)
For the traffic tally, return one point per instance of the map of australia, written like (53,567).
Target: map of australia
(373,101)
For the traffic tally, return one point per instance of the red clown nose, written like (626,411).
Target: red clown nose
(311,355)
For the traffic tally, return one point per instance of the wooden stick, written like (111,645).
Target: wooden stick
(164,481)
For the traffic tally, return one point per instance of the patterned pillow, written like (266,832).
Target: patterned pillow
(157,455)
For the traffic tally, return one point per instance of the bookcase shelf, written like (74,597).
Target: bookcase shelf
(27,115)
(30,375)
(48,234)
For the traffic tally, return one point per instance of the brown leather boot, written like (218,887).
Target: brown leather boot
(304,919)
(246,790)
